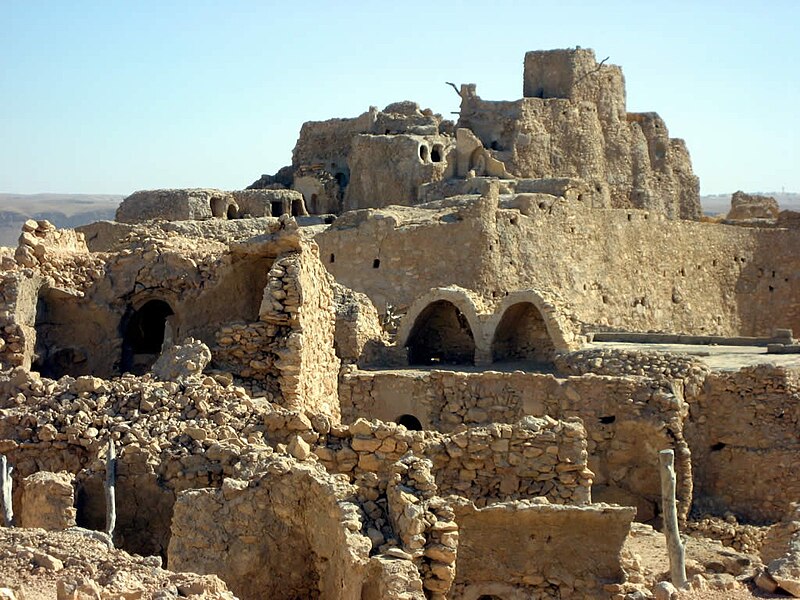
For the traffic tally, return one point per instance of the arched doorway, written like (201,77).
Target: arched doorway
(410,422)
(143,336)
(522,335)
(441,335)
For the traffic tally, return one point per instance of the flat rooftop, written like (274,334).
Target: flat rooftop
(718,358)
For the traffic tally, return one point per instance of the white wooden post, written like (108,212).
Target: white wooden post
(111,477)
(675,548)
(5,491)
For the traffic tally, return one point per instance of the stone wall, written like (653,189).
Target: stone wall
(615,269)
(388,169)
(176,205)
(627,419)
(292,532)
(752,206)
(300,294)
(534,457)
(539,550)
(744,431)
(80,313)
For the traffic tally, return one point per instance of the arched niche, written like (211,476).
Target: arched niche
(441,335)
(143,336)
(410,422)
(522,335)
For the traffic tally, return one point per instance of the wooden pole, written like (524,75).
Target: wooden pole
(111,479)
(5,491)
(675,548)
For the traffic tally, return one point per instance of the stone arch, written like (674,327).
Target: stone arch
(143,330)
(460,317)
(441,335)
(521,321)
(521,335)
(223,207)
(424,153)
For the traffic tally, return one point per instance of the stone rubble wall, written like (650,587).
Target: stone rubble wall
(200,433)
(359,334)
(424,523)
(627,418)
(744,431)
(535,457)
(18,291)
(299,294)
(658,366)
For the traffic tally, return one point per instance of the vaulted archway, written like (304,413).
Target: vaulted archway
(441,335)
(522,335)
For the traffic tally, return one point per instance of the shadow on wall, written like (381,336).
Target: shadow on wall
(143,336)
(441,335)
(522,335)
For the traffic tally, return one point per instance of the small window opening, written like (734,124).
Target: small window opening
(436,153)
(376,263)
(313,206)
(423,153)
(630,217)
(494,145)
(333,258)
(410,422)
(608,419)
(718,446)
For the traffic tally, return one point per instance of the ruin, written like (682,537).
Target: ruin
(406,365)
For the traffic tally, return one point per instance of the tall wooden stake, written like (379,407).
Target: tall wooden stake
(111,479)
(5,491)
(677,558)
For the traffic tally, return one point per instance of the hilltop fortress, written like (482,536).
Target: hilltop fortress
(396,368)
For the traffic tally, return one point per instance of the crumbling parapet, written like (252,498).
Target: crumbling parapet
(752,206)
(299,295)
(424,523)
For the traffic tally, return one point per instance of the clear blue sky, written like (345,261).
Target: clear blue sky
(110,97)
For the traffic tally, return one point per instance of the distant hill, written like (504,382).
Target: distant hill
(63,210)
(721,203)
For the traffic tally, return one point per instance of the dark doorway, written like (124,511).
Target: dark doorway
(143,336)
(522,335)
(441,335)
(410,422)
